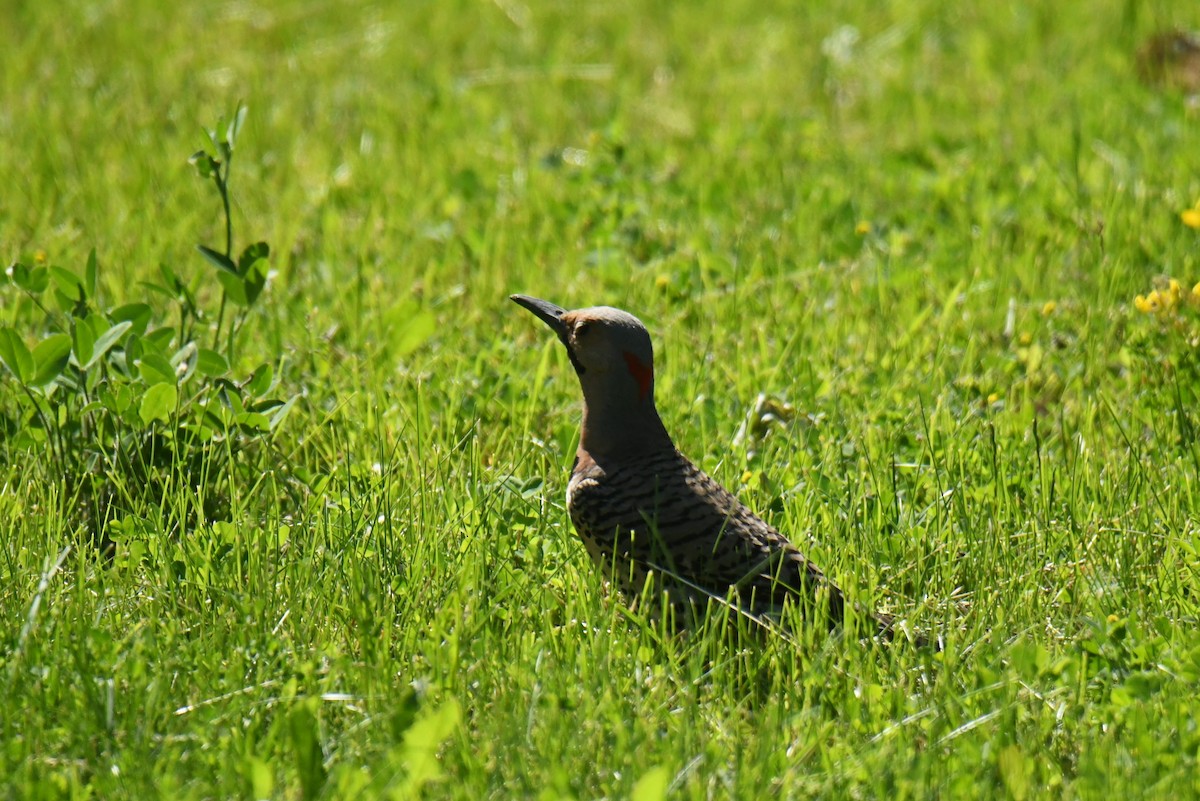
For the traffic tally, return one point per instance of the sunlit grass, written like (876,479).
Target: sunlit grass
(944,243)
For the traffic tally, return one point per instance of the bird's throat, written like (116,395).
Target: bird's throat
(611,429)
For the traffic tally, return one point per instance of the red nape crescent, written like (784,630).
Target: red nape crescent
(643,373)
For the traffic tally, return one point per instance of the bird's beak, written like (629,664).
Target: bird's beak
(546,311)
(552,316)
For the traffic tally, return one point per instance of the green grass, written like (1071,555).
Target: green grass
(397,604)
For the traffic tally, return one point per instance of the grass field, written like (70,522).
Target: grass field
(928,234)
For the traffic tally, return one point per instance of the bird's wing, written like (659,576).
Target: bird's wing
(665,513)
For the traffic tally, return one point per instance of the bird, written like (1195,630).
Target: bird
(644,509)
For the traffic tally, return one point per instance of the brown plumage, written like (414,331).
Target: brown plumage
(641,507)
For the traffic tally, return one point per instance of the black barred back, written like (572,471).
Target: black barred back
(661,513)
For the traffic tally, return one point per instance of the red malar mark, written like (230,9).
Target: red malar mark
(642,372)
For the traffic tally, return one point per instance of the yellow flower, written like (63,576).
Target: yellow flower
(1049,308)
(992,398)
(1148,305)
(452,206)
(1191,218)
(662,282)
(1194,298)
(863,228)
(39,256)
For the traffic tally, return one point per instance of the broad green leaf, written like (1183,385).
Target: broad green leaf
(160,338)
(260,380)
(223,533)
(90,274)
(188,351)
(84,341)
(652,786)
(99,324)
(219,260)
(261,775)
(206,165)
(135,346)
(68,283)
(234,402)
(66,303)
(234,287)
(169,277)
(154,368)
(211,364)
(253,420)
(413,332)
(421,743)
(184,361)
(116,400)
(255,280)
(1015,771)
(217,418)
(123,396)
(139,314)
(50,356)
(202,433)
(306,746)
(33,280)
(158,403)
(253,267)
(15,355)
(235,126)
(253,253)
(105,341)
(226,386)
(28,438)
(67,382)
(159,288)
(277,416)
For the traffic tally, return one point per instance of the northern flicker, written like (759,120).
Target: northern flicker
(641,507)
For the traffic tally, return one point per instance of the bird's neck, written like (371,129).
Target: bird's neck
(622,429)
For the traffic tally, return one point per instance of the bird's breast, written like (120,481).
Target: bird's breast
(663,493)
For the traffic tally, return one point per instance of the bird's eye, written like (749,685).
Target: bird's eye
(581,329)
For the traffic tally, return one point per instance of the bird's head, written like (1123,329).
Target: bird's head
(604,345)
(611,352)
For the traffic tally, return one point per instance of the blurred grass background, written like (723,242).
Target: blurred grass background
(917,228)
